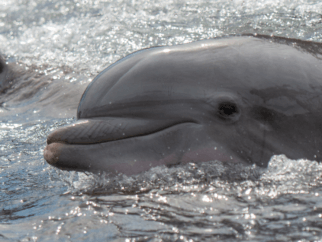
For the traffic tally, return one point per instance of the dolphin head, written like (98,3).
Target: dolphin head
(240,99)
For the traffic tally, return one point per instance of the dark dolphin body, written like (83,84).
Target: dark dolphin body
(3,74)
(240,99)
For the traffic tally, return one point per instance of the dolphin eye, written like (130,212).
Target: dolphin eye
(228,110)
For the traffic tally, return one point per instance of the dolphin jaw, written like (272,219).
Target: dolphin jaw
(66,141)
(95,131)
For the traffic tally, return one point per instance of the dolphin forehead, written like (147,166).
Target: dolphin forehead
(99,91)
(255,69)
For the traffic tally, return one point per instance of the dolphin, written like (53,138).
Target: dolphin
(239,100)
(3,74)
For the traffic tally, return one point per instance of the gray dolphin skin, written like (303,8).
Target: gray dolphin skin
(238,100)
(3,74)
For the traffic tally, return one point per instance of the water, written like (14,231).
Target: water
(57,48)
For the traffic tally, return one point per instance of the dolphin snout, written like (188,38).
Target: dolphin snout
(52,153)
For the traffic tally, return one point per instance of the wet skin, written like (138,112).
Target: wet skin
(239,99)
(3,73)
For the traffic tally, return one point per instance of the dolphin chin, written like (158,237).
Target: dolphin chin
(239,99)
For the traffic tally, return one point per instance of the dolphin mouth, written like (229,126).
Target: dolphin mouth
(95,131)
(75,146)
